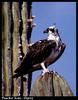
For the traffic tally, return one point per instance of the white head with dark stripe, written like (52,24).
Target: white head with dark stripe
(53,34)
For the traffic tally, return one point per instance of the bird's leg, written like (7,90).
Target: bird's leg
(44,68)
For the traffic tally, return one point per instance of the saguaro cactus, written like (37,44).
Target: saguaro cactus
(51,84)
(16,35)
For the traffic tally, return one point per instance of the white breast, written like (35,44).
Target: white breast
(51,37)
(55,38)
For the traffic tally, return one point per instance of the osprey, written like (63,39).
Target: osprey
(39,52)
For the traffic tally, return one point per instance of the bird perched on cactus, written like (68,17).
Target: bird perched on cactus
(40,51)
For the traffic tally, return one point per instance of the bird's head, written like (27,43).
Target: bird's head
(51,30)
(52,33)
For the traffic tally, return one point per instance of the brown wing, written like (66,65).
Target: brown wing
(37,53)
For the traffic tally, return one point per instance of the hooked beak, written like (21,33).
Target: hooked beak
(45,31)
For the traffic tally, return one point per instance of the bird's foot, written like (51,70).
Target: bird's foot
(45,71)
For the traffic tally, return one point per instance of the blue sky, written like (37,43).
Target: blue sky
(64,15)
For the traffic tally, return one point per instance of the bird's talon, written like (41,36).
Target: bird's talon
(45,71)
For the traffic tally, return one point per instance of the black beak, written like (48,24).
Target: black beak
(46,31)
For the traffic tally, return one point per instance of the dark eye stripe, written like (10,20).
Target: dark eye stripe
(52,30)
